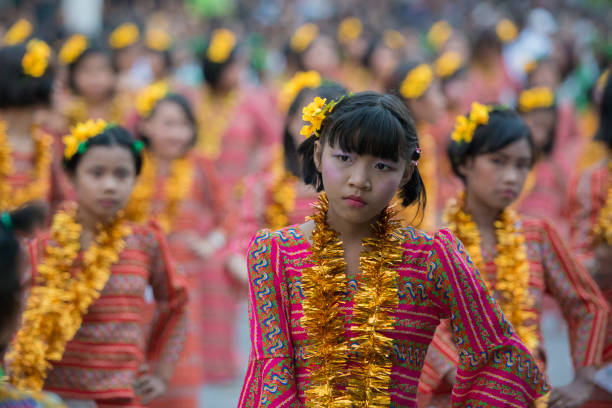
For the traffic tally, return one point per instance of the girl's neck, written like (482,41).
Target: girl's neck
(349,232)
(18,121)
(483,215)
(88,221)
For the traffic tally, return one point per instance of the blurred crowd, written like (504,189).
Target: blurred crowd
(234,75)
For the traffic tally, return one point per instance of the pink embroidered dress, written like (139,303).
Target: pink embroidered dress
(436,280)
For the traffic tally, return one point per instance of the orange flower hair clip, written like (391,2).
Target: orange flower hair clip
(466,125)
(315,114)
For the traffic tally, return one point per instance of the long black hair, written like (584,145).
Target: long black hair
(112,135)
(373,124)
(604,133)
(13,224)
(329,91)
(505,126)
(18,89)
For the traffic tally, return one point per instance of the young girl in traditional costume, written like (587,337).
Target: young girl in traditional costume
(344,306)
(237,123)
(179,189)
(82,335)
(13,263)
(590,212)
(521,259)
(91,83)
(28,171)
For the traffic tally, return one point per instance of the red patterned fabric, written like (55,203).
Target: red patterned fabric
(436,280)
(555,273)
(102,361)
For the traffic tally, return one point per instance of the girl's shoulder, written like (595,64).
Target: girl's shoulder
(289,236)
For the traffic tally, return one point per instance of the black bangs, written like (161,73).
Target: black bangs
(376,127)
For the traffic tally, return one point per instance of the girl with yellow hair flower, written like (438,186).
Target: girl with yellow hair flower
(92,90)
(237,122)
(28,167)
(83,332)
(312,49)
(522,259)
(180,190)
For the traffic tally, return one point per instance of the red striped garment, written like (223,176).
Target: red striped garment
(436,280)
(553,272)
(102,361)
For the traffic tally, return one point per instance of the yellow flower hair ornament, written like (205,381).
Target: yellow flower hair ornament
(18,32)
(439,33)
(506,30)
(448,63)
(123,36)
(158,39)
(466,125)
(222,43)
(394,39)
(149,96)
(349,30)
(416,82)
(75,142)
(536,98)
(301,80)
(315,114)
(303,37)
(73,48)
(36,59)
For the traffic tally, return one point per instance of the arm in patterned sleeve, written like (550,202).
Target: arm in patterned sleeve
(440,362)
(495,368)
(169,328)
(583,305)
(270,376)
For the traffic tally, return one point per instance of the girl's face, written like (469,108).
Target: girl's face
(103,180)
(169,131)
(541,123)
(430,106)
(497,178)
(359,187)
(94,78)
(384,62)
(321,56)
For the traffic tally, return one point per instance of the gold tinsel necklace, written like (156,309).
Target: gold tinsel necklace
(325,286)
(512,280)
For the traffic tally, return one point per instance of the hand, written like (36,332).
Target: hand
(572,395)
(199,245)
(149,386)
(237,267)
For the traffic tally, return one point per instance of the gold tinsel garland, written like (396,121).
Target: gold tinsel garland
(324,286)
(602,232)
(11,198)
(512,282)
(282,193)
(59,298)
(177,187)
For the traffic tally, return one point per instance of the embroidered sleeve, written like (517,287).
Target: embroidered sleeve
(495,368)
(169,327)
(270,376)
(583,305)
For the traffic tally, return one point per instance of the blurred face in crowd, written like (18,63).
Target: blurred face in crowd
(454,91)
(541,122)
(428,107)
(384,62)
(169,131)
(94,78)
(321,56)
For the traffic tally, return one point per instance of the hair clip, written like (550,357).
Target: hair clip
(138,146)
(6,220)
